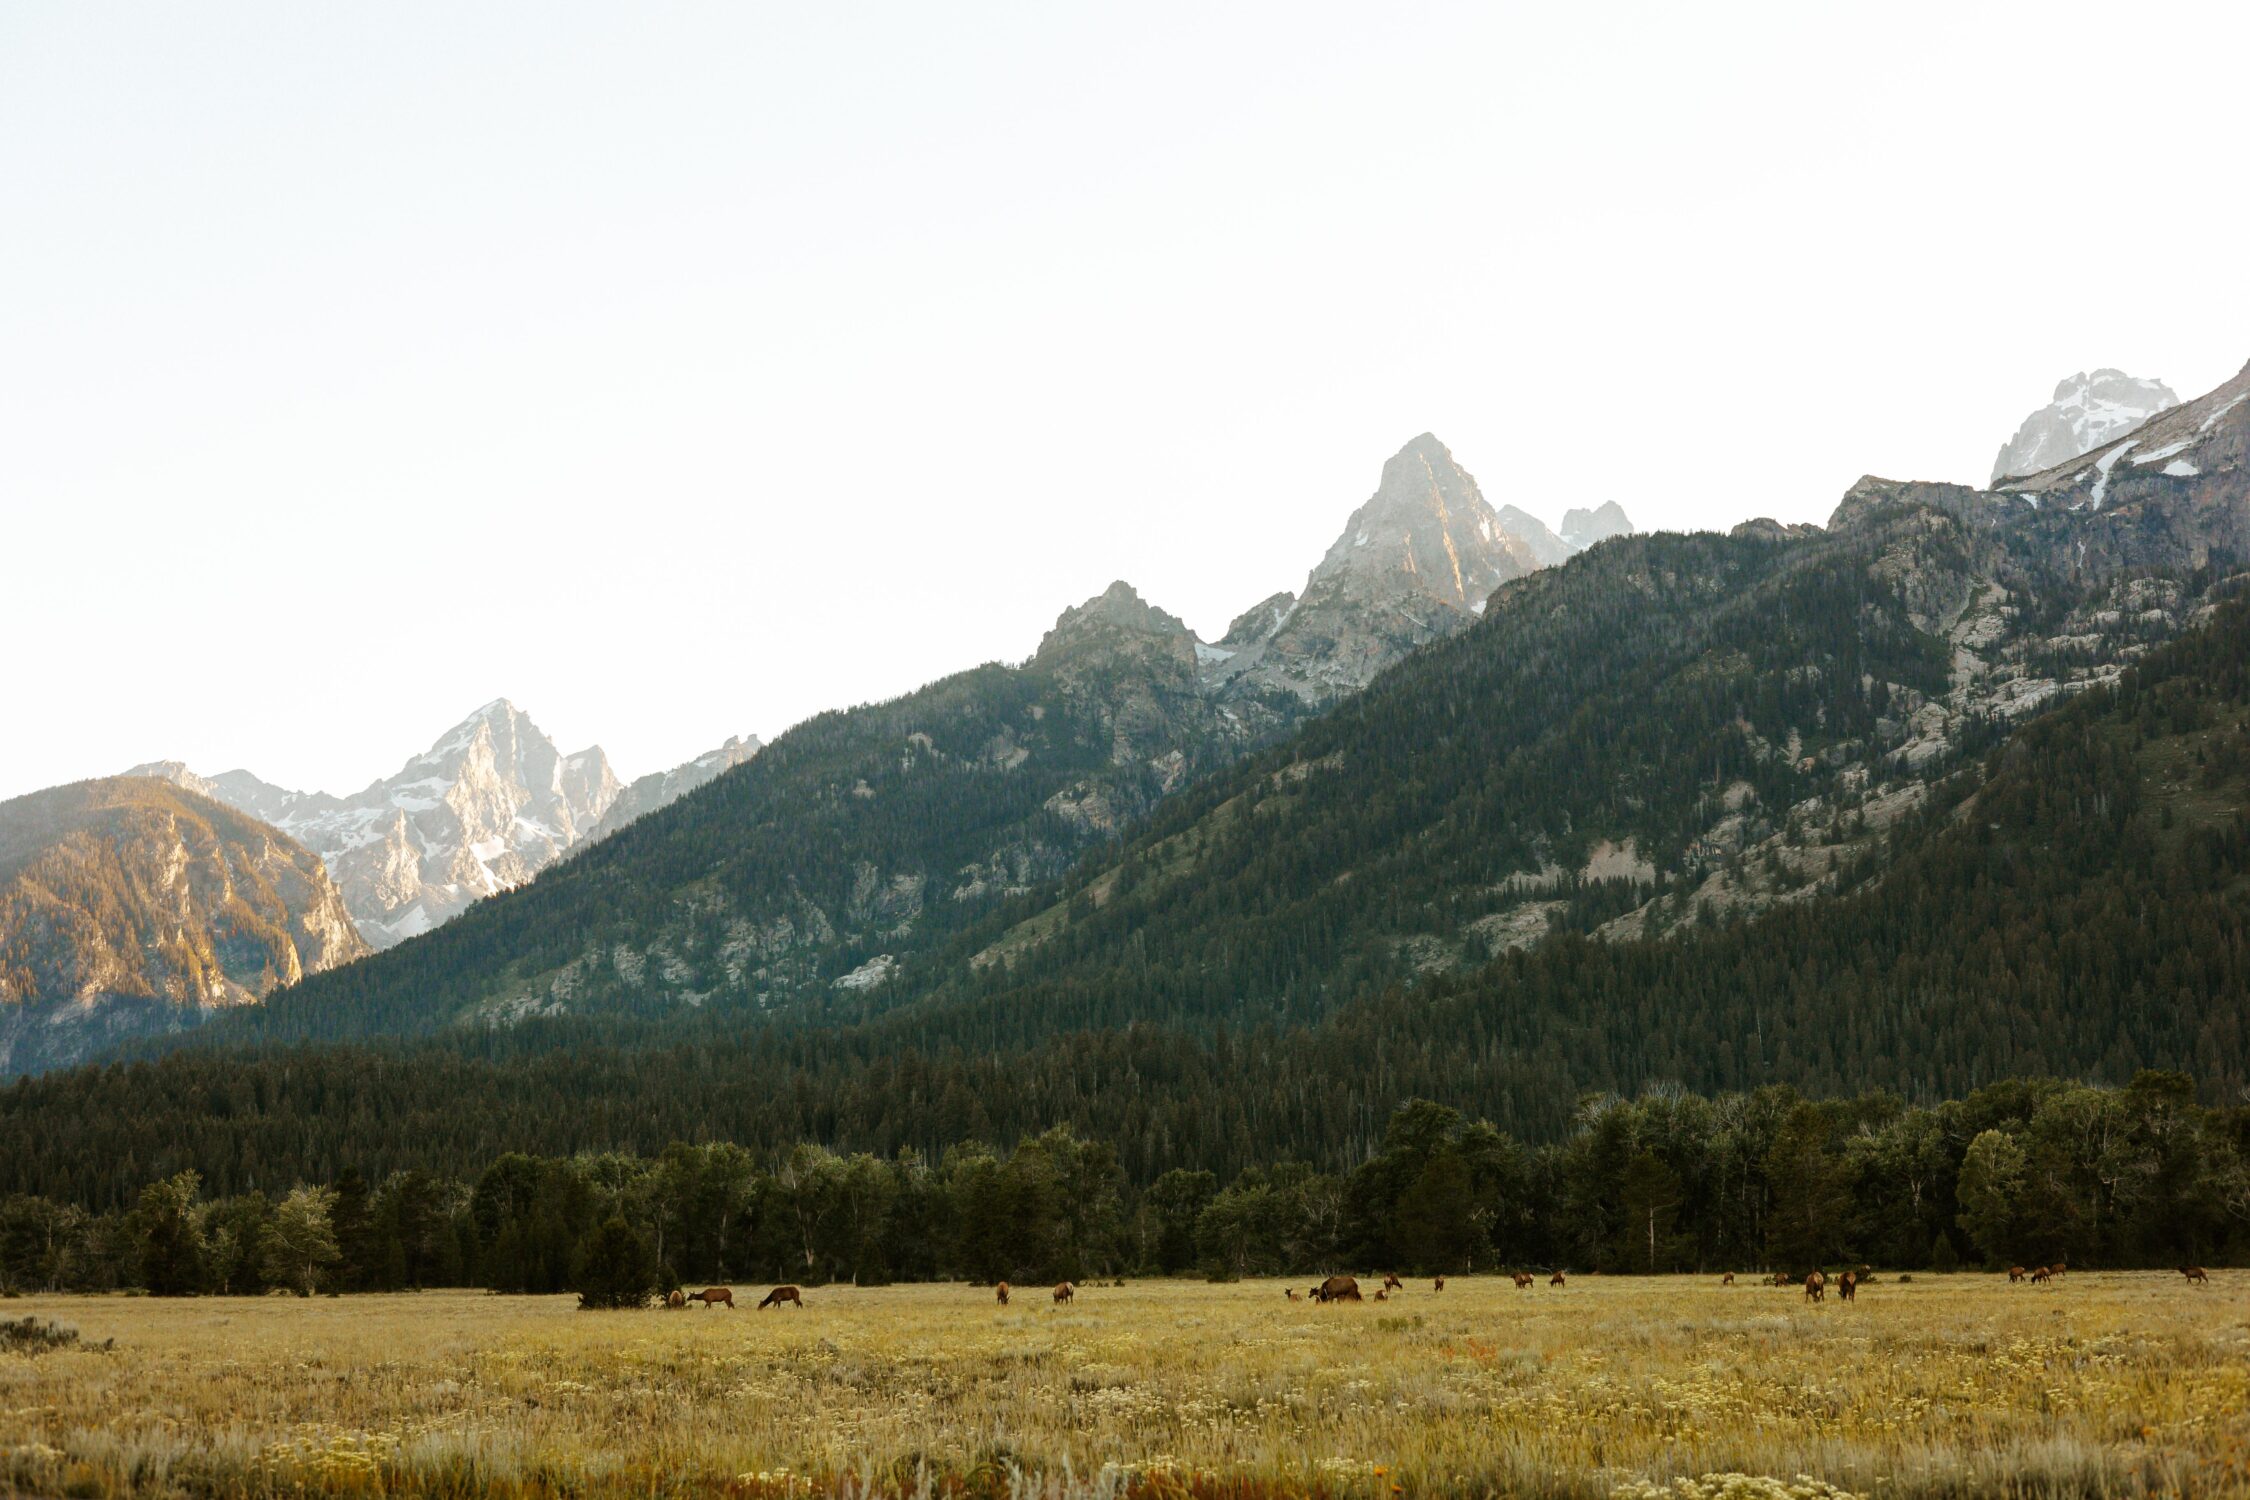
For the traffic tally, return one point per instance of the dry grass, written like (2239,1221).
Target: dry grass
(2105,1384)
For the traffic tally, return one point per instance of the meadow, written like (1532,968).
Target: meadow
(2104,1384)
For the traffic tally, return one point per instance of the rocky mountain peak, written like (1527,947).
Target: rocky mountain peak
(1112,618)
(1583,528)
(2089,409)
(1426,530)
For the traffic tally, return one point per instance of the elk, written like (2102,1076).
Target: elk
(1556,1279)
(1847,1287)
(1816,1287)
(1523,1280)
(781,1294)
(2040,1274)
(1438,1285)
(675,1298)
(715,1296)
(1382,1294)
(1337,1289)
(1393,1284)
(1064,1291)
(1727,1280)
(2016,1273)
(1001,1291)
(2196,1274)
(1291,1293)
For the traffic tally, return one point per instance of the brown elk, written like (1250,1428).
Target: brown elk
(2040,1274)
(1001,1291)
(1847,1287)
(1064,1291)
(1337,1289)
(1727,1280)
(715,1296)
(1393,1284)
(1291,1293)
(2058,1268)
(2016,1273)
(1523,1280)
(781,1294)
(675,1298)
(1816,1287)
(2195,1274)
(1382,1294)
(1556,1279)
(1438,1285)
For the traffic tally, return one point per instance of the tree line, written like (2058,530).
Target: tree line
(2030,1171)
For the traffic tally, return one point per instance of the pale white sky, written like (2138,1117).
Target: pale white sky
(682,370)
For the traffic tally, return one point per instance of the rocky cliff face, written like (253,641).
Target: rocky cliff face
(130,906)
(2089,411)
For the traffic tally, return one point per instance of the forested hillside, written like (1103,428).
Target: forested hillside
(2077,904)
(802,877)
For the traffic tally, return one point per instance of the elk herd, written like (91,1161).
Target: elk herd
(1346,1288)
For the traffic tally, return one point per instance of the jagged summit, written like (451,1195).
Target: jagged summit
(2089,410)
(1584,528)
(1415,561)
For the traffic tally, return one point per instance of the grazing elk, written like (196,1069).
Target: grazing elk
(1816,1287)
(1393,1284)
(675,1298)
(1727,1280)
(1064,1291)
(1556,1279)
(2196,1274)
(1001,1291)
(1847,1286)
(781,1294)
(715,1296)
(2016,1273)
(1438,1285)
(1337,1289)
(1523,1280)
(2040,1274)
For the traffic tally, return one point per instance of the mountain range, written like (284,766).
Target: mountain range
(490,804)
(1952,788)
(1015,772)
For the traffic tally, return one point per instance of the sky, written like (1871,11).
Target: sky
(679,371)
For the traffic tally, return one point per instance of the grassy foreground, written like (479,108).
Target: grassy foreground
(2104,1384)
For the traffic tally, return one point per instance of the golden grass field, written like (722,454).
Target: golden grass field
(2103,1384)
